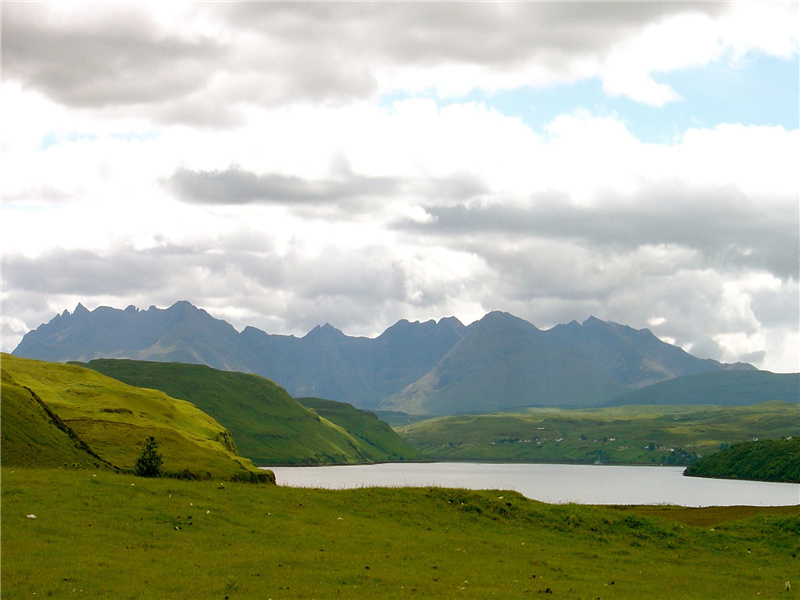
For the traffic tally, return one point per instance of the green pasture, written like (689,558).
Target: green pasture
(616,435)
(98,534)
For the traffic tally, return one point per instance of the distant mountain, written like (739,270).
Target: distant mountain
(498,362)
(504,362)
(180,333)
(633,357)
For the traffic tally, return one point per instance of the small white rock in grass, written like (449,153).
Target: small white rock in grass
(31,516)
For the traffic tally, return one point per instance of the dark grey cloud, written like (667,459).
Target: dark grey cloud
(725,227)
(236,186)
(113,55)
(487,34)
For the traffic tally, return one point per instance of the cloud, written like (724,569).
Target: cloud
(114,54)
(207,63)
(287,164)
(723,227)
(235,186)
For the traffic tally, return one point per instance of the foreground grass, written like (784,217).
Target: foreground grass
(105,535)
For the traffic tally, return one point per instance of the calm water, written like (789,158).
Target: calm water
(584,484)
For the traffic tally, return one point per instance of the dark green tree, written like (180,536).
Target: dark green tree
(149,463)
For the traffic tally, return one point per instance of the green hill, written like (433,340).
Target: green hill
(270,427)
(761,460)
(622,435)
(728,388)
(54,414)
(34,436)
(364,426)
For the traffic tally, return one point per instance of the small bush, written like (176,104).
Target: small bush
(149,463)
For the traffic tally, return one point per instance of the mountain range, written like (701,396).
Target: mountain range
(433,367)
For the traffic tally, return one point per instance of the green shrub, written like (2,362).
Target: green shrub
(149,463)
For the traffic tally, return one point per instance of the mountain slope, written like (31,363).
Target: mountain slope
(180,333)
(728,388)
(634,358)
(270,427)
(504,362)
(113,419)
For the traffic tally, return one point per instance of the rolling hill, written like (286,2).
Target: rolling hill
(269,426)
(54,414)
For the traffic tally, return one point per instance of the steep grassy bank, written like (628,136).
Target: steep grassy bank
(55,414)
(104,535)
(269,426)
(623,435)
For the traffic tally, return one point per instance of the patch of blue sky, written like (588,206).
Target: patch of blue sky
(761,90)
(136,136)
(52,138)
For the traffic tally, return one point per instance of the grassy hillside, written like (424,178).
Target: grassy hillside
(727,388)
(365,427)
(625,435)
(33,435)
(269,426)
(102,537)
(761,460)
(111,418)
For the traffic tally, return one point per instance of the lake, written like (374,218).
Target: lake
(555,484)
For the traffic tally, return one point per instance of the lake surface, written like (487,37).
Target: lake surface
(555,484)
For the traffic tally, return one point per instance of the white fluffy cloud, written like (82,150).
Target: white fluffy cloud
(245,157)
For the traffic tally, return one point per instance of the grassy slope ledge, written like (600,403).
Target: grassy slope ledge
(105,423)
(270,427)
(762,460)
(621,435)
(364,426)
(96,535)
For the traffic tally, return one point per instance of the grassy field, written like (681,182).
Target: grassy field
(621,435)
(104,535)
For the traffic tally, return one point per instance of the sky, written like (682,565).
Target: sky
(283,165)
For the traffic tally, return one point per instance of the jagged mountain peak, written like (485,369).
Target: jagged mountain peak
(326,331)
(569,364)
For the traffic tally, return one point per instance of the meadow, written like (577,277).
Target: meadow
(99,534)
(633,434)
